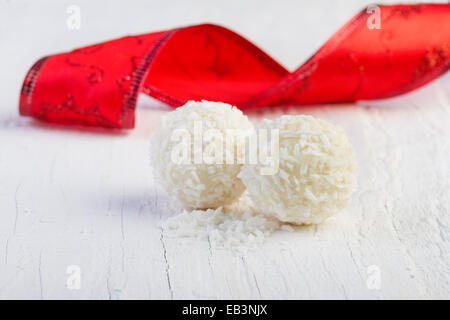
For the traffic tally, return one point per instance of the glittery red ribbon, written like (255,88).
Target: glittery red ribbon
(382,52)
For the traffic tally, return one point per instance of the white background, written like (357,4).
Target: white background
(86,197)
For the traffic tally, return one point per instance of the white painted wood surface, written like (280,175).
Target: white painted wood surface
(77,197)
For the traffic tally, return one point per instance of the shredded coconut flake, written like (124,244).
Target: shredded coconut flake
(236,225)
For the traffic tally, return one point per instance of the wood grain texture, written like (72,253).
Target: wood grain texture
(86,198)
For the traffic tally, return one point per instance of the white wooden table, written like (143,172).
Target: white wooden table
(75,200)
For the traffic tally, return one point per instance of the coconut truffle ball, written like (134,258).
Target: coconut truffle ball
(193,174)
(316,175)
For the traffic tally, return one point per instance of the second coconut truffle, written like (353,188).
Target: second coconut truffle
(316,175)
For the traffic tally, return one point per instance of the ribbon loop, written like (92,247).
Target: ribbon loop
(370,57)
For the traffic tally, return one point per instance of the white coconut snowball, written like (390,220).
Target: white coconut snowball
(208,183)
(317,172)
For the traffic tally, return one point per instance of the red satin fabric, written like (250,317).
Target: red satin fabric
(99,85)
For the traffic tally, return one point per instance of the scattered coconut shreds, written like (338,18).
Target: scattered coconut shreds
(236,225)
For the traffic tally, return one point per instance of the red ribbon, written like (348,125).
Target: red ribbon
(368,58)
